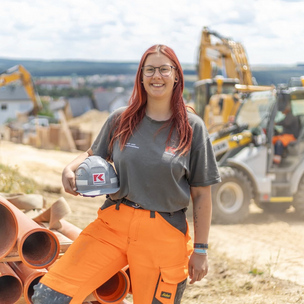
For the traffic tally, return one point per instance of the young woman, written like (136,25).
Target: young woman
(163,156)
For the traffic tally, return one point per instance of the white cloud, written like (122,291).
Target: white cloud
(119,30)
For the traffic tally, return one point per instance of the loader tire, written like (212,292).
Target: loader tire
(298,198)
(231,197)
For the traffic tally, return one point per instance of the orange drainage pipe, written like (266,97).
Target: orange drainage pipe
(37,247)
(10,285)
(8,230)
(69,230)
(127,270)
(30,277)
(114,290)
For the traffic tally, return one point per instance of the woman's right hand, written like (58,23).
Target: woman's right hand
(68,173)
(69,181)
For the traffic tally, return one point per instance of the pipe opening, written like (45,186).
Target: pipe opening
(30,290)
(40,249)
(8,231)
(10,289)
(114,289)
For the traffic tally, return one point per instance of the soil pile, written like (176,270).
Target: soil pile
(91,121)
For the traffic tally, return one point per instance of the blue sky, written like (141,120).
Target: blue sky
(271,31)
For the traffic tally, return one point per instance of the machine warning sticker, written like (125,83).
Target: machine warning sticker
(220,147)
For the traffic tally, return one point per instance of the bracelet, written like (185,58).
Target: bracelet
(200,251)
(200,245)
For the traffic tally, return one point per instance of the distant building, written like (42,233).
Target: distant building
(110,100)
(13,101)
(80,105)
(54,83)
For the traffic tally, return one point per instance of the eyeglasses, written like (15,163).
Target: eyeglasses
(165,70)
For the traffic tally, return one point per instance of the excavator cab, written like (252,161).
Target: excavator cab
(216,101)
(217,98)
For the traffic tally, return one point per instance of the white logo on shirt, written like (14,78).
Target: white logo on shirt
(130,145)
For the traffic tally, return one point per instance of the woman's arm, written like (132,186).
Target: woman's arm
(202,211)
(68,173)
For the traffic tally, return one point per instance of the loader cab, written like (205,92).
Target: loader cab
(294,152)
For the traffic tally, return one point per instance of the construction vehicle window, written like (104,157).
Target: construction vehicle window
(200,100)
(228,89)
(255,109)
(213,89)
(297,103)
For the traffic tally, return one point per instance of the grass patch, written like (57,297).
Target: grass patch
(11,181)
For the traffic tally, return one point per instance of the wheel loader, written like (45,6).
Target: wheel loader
(245,158)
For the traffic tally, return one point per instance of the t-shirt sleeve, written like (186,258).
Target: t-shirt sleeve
(101,143)
(203,166)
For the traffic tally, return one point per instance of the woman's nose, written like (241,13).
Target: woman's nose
(157,73)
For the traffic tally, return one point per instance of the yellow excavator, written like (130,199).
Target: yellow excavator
(217,97)
(19,73)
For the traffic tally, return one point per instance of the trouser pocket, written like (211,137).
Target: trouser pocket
(176,219)
(171,285)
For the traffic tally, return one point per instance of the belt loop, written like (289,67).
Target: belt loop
(117,205)
(152,214)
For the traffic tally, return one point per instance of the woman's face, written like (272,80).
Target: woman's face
(159,85)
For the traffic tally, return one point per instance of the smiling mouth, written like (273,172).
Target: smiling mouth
(157,85)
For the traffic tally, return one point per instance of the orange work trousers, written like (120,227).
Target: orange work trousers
(284,138)
(156,252)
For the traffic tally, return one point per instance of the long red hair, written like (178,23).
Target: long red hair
(133,115)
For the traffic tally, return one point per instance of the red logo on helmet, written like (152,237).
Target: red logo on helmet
(98,178)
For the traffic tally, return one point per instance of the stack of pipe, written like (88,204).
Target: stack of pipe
(29,246)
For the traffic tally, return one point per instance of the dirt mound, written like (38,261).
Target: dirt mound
(91,121)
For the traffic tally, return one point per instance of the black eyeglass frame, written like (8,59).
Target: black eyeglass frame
(167,65)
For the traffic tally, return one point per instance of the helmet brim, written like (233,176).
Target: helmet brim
(93,193)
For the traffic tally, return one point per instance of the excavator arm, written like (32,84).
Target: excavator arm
(16,73)
(226,54)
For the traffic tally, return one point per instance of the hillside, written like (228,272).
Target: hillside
(265,75)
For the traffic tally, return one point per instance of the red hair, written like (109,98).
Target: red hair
(133,115)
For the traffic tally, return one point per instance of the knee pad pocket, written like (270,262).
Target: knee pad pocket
(45,295)
(171,285)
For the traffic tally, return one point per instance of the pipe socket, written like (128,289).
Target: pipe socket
(114,290)
(37,247)
(11,287)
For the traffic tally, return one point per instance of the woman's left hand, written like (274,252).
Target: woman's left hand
(198,267)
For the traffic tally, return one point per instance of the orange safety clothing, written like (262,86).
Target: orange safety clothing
(156,252)
(284,138)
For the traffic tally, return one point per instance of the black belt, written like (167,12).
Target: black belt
(177,219)
(130,203)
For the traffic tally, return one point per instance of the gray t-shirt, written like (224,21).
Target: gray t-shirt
(150,172)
